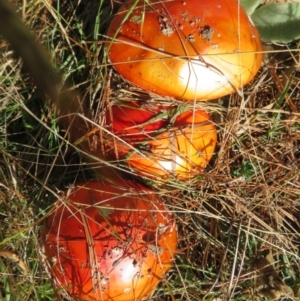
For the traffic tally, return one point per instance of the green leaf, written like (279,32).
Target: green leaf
(278,22)
(250,5)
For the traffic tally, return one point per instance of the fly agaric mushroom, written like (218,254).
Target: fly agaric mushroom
(160,143)
(109,242)
(188,49)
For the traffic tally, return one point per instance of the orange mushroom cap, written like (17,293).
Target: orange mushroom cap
(109,242)
(160,143)
(187,49)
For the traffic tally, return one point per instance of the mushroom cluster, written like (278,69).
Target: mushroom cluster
(183,51)
(116,240)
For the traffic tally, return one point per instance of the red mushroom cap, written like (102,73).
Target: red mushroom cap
(169,143)
(109,242)
(188,49)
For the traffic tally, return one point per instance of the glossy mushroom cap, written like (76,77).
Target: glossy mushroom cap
(109,242)
(160,143)
(187,49)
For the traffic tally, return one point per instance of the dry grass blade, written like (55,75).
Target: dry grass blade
(16,259)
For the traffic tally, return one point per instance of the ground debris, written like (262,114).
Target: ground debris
(268,282)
